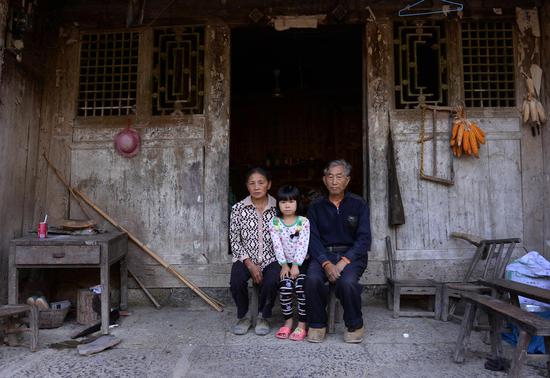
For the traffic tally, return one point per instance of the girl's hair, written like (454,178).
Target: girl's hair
(289,193)
(259,170)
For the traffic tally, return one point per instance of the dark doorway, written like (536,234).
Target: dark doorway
(296,102)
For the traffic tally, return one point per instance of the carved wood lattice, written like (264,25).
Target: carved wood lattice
(178,70)
(108,74)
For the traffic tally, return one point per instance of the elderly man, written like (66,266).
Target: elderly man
(339,243)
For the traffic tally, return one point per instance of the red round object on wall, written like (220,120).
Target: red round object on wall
(127,142)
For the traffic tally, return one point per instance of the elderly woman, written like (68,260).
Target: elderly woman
(252,249)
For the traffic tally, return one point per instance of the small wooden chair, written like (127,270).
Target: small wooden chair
(419,287)
(494,260)
(14,315)
(334,310)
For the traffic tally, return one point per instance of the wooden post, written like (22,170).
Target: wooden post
(84,312)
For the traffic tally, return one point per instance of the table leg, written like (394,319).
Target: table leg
(105,296)
(33,325)
(13,279)
(123,284)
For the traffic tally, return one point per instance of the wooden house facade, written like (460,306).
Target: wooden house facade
(215,86)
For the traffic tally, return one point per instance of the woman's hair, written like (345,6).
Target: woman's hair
(289,193)
(259,170)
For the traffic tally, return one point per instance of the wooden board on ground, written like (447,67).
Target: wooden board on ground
(102,343)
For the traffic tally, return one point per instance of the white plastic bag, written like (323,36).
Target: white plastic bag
(531,269)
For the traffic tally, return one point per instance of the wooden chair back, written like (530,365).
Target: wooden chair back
(495,255)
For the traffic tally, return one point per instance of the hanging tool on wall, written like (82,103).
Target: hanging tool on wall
(434,177)
(420,9)
(211,301)
(396,211)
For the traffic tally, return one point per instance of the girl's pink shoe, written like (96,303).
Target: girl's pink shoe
(298,335)
(283,333)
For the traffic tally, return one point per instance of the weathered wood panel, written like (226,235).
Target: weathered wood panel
(20,96)
(545,99)
(158,195)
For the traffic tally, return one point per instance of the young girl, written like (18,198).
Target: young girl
(290,236)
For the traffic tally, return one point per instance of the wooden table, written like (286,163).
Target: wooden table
(67,251)
(516,289)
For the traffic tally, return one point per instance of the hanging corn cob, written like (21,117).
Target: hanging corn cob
(466,135)
(532,110)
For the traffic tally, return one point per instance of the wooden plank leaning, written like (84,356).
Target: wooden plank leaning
(77,193)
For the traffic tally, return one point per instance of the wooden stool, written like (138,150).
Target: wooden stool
(398,288)
(254,303)
(13,314)
(334,315)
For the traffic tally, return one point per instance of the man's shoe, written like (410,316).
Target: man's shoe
(316,335)
(262,327)
(242,326)
(354,337)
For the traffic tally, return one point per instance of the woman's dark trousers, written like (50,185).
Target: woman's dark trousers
(268,288)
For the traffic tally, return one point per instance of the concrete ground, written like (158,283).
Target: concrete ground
(179,342)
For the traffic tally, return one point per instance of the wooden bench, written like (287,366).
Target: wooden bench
(529,325)
(15,317)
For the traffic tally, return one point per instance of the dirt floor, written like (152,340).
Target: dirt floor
(178,342)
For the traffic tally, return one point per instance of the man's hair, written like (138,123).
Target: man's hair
(336,163)
(289,193)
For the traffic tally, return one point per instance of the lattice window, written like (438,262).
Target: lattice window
(488,59)
(178,70)
(108,74)
(420,64)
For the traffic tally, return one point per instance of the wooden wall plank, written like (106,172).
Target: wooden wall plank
(505,189)
(528,48)
(19,117)
(216,149)
(379,77)
(545,99)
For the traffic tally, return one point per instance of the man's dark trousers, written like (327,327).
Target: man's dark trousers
(269,288)
(348,291)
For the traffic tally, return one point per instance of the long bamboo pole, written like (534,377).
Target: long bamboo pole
(211,301)
(147,292)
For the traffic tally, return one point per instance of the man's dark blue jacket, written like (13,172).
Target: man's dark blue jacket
(347,225)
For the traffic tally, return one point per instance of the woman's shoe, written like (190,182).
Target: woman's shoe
(262,327)
(299,334)
(242,326)
(283,333)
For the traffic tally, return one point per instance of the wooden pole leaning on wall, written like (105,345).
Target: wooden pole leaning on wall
(217,305)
